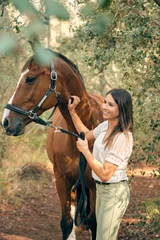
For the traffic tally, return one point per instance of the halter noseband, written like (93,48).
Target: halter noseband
(33,113)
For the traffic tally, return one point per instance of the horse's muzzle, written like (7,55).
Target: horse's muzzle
(12,128)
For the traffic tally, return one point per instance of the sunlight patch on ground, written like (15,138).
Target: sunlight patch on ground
(130,220)
(15,237)
(143,171)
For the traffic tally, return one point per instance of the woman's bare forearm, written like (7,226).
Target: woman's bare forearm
(80,127)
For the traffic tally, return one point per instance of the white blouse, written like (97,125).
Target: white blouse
(118,154)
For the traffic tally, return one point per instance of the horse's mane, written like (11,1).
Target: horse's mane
(57,54)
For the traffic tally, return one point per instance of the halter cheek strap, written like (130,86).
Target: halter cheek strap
(52,88)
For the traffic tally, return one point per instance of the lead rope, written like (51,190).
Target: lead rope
(81,210)
(82,201)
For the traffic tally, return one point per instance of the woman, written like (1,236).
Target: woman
(111,151)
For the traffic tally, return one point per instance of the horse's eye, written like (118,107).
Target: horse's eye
(30,80)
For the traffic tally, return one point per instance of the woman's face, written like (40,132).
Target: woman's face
(110,108)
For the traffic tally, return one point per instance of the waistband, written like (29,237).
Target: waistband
(103,183)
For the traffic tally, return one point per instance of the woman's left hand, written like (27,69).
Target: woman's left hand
(82,145)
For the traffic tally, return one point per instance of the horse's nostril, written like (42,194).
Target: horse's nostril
(19,128)
(6,123)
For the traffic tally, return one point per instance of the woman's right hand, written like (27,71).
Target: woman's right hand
(72,103)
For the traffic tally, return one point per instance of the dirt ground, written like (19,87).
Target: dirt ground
(38,218)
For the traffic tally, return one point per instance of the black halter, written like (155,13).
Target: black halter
(33,113)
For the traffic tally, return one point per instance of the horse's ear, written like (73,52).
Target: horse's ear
(41,54)
(35,44)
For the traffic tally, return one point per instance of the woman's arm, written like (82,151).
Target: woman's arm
(80,127)
(103,171)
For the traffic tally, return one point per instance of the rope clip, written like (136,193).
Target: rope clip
(57,128)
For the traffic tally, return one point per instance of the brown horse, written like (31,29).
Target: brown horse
(32,91)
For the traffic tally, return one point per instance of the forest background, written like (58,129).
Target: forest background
(113,43)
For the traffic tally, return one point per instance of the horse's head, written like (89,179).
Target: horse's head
(31,97)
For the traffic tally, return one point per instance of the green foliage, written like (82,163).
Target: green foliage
(4,3)
(30,21)
(103,23)
(7,43)
(56,9)
(33,30)
(24,6)
(129,43)
(153,208)
(104,3)
(145,227)
(42,55)
(149,222)
(87,10)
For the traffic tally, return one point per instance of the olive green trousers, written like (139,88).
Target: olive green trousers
(111,203)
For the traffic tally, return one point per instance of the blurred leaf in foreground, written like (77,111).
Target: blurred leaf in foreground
(104,3)
(42,55)
(7,43)
(103,23)
(34,29)
(87,10)
(24,6)
(56,9)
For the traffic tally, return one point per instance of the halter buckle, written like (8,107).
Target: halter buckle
(53,89)
(53,75)
(32,115)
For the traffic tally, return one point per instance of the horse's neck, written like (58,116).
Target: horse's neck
(85,111)
(88,110)
(71,83)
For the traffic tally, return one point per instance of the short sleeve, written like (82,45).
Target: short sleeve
(121,149)
(100,128)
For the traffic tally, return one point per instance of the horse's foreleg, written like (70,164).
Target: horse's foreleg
(66,221)
(64,192)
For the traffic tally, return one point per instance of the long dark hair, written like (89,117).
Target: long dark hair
(124,102)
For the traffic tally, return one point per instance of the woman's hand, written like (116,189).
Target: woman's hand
(73,105)
(82,146)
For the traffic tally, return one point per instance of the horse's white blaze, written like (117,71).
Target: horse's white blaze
(72,236)
(7,111)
